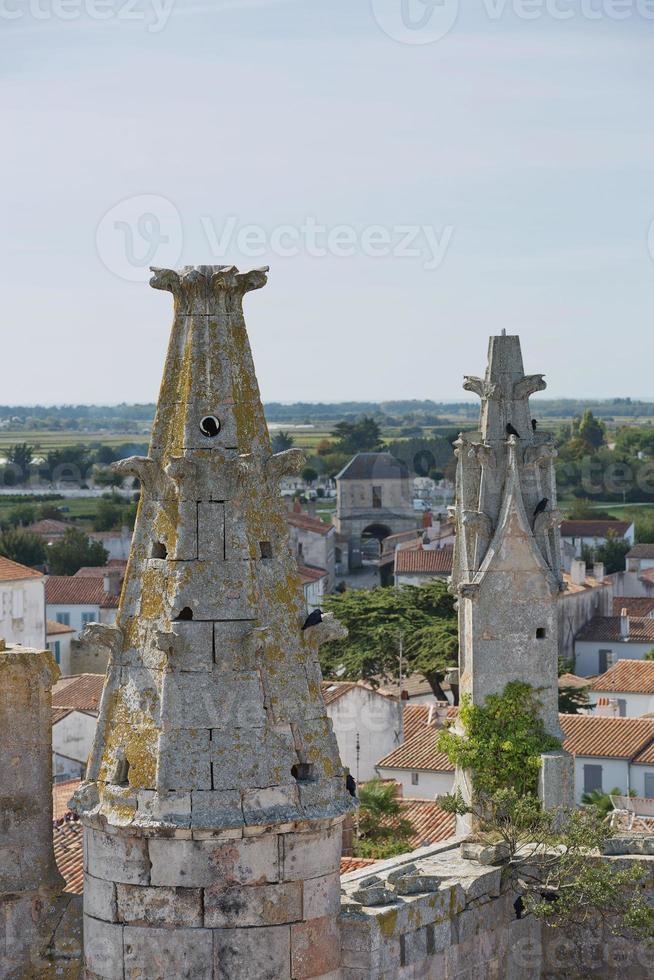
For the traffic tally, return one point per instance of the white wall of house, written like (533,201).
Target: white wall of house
(575,609)
(642,780)
(614,775)
(22,612)
(72,739)
(59,644)
(376,721)
(635,705)
(639,564)
(418,578)
(313,593)
(579,543)
(76,616)
(314,548)
(419,783)
(631,584)
(587,654)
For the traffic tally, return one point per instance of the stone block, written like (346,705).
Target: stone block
(189,646)
(486,853)
(217,590)
(103,948)
(315,947)
(417,884)
(253,756)
(217,809)
(275,804)
(168,954)
(201,863)
(142,906)
(100,898)
(116,857)
(311,855)
(252,905)
(211,531)
(167,806)
(213,700)
(243,954)
(322,896)
(184,759)
(235,645)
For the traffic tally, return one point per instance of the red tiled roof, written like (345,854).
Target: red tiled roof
(54,629)
(641,551)
(355,864)
(48,526)
(424,561)
(418,752)
(416,717)
(430,823)
(309,574)
(115,568)
(69,590)
(594,529)
(333,690)
(79,693)
(307,523)
(61,793)
(641,630)
(613,738)
(68,852)
(59,713)
(642,606)
(571,680)
(12,571)
(627,677)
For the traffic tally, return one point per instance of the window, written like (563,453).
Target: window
(622,707)
(541,633)
(605,660)
(299,550)
(88,618)
(56,649)
(63,618)
(592,778)
(649,785)
(415,778)
(17,604)
(376,497)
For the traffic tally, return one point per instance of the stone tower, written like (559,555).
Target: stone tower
(507,572)
(214,794)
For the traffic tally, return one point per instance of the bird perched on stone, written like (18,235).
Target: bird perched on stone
(350,784)
(534,424)
(540,506)
(313,619)
(511,430)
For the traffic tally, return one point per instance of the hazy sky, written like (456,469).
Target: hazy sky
(511,158)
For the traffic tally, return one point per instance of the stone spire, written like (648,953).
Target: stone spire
(507,556)
(214,765)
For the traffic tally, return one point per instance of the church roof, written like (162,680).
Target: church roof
(374,466)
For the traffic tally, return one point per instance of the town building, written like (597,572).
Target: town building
(75,601)
(22,604)
(313,542)
(590,535)
(75,707)
(50,531)
(640,558)
(115,543)
(314,585)
(415,566)
(639,606)
(417,765)
(374,499)
(626,690)
(588,593)
(607,639)
(58,640)
(366,724)
(611,754)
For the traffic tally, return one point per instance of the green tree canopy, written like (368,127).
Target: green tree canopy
(22,546)
(361,436)
(589,429)
(282,441)
(107,516)
(423,616)
(383,831)
(74,551)
(20,457)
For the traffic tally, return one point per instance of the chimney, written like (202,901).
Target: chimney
(578,571)
(599,571)
(607,708)
(624,624)
(106,584)
(427,519)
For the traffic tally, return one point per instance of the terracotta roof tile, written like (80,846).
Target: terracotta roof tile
(61,794)
(333,690)
(641,551)
(309,574)
(613,738)
(627,677)
(641,630)
(99,571)
(571,680)
(307,523)
(594,529)
(417,717)
(641,606)
(418,752)
(48,526)
(59,713)
(430,823)
(425,561)
(79,693)
(69,590)
(12,571)
(355,864)
(68,851)
(55,629)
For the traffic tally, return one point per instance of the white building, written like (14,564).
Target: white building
(58,641)
(611,753)
(75,705)
(77,600)
(415,566)
(419,767)
(640,558)
(115,543)
(588,593)
(314,584)
(593,534)
(366,724)
(313,543)
(22,605)
(626,690)
(607,639)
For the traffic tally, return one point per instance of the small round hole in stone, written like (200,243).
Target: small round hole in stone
(210,426)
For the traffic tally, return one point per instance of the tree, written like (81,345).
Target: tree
(22,515)
(20,458)
(282,441)
(74,551)
(423,616)
(107,515)
(612,553)
(573,700)
(601,801)
(361,436)
(309,474)
(383,831)
(584,510)
(22,546)
(649,655)
(590,430)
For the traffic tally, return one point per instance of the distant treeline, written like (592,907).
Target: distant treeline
(328,411)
